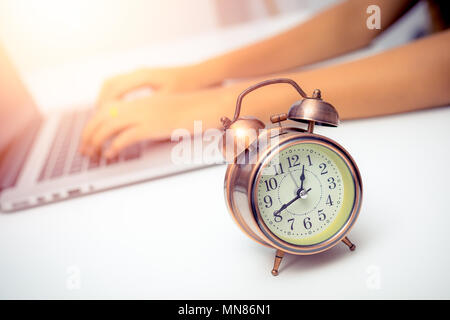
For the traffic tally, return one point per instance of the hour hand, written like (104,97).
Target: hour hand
(302,178)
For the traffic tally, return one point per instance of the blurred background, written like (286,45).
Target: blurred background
(53,41)
(45,32)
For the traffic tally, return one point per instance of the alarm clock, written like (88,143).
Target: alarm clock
(287,187)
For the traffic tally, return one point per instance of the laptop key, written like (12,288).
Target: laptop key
(77,163)
(57,172)
(75,168)
(132,152)
(94,163)
(112,161)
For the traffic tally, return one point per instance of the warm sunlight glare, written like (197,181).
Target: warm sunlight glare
(47,32)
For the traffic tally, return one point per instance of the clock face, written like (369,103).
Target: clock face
(305,193)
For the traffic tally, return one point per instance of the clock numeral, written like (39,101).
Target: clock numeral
(280,171)
(323,166)
(322,215)
(309,160)
(271,184)
(307,223)
(332,183)
(292,223)
(329,202)
(277,217)
(268,201)
(294,161)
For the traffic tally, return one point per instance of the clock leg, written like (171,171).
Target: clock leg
(276,264)
(349,244)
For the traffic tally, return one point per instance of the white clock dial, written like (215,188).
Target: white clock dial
(300,193)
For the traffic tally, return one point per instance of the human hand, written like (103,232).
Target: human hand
(163,80)
(123,123)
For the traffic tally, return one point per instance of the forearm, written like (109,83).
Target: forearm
(332,32)
(411,77)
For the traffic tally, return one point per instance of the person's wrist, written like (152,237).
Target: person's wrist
(209,73)
(207,106)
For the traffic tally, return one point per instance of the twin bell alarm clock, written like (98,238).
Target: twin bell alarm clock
(286,187)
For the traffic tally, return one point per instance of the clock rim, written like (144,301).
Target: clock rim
(271,238)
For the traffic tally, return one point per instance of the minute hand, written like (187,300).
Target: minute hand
(284,206)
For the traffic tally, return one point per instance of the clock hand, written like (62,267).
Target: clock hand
(302,178)
(293,179)
(304,194)
(301,194)
(284,206)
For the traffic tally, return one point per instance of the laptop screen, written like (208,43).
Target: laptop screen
(17,109)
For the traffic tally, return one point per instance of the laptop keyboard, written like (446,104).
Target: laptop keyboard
(63,157)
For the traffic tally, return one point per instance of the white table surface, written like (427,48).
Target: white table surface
(174,239)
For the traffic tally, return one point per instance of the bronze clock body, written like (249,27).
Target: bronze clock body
(242,174)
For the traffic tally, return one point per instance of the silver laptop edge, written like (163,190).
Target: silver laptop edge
(28,192)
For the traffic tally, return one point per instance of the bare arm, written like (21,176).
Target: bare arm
(337,30)
(411,77)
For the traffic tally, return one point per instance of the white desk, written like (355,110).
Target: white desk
(138,242)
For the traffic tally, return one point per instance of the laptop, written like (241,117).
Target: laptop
(39,159)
